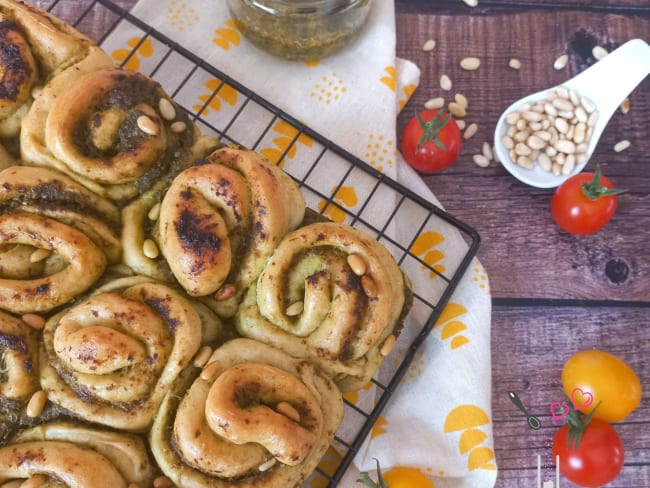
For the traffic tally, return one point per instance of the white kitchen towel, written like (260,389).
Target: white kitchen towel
(439,420)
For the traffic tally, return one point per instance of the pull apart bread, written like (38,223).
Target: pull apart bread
(169,306)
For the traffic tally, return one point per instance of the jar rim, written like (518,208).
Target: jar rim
(304,6)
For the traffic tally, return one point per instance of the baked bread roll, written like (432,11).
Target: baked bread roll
(67,455)
(218,223)
(111,358)
(115,131)
(37,47)
(331,294)
(255,417)
(19,353)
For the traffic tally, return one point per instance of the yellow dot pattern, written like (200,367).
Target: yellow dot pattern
(181,15)
(380,152)
(329,89)
(479,276)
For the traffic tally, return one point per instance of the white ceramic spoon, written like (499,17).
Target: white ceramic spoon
(606,83)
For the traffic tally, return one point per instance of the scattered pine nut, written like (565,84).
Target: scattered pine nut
(471,3)
(433,103)
(445,83)
(36,404)
(167,110)
(369,286)
(461,100)
(622,145)
(210,371)
(514,63)
(625,106)
(34,321)
(470,63)
(561,62)
(357,264)
(295,309)
(225,292)
(150,249)
(470,131)
(461,124)
(430,45)
(388,345)
(178,127)
(39,255)
(154,213)
(202,357)
(599,52)
(481,160)
(265,466)
(456,109)
(148,126)
(487,151)
(286,409)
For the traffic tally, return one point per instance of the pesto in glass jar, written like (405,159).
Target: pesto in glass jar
(300,29)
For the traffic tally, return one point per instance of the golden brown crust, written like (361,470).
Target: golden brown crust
(342,316)
(35,48)
(295,437)
(19,352)
(112,358)
(79,263)
(221,220)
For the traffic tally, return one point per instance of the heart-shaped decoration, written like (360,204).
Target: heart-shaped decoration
(559,410)
(581,399)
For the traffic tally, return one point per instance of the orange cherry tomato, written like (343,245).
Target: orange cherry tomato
(607,378)
(405,477)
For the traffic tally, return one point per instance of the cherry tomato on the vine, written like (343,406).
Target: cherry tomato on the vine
(431,141)
(596,460)
(584,203)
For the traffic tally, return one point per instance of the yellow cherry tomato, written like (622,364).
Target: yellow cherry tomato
(403,477)
(593,376)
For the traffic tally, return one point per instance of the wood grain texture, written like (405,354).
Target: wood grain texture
(512,218)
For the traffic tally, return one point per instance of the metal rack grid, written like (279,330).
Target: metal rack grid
(324,153)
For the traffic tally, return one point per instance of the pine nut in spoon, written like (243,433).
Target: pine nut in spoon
(606,84)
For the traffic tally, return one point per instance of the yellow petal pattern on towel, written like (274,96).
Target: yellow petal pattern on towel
(379,428)
(286,144)
(225,93)
(227,36)
(181,15)
(391,79)
(425,248)
(346,196)
(136,46)
(451,329)
(407,92)
(328,465)
(467,419)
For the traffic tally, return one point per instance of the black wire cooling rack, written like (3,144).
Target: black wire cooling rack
(100,18)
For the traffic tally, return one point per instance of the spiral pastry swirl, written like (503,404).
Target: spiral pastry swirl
(65,455)
(111,358)
(49,193)
(73,263)
(256,417)
(115,131)
(220,221)
(331,294)
(34,48)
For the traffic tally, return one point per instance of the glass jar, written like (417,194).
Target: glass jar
(300,29)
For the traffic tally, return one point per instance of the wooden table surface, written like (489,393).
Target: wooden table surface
(553,294)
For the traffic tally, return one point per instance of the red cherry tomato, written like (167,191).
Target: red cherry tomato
(584,203)
(431,141)
(598,458)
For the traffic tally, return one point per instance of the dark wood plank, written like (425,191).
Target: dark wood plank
(523,251)
(529,348)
